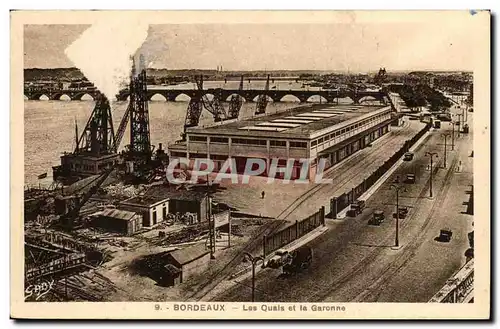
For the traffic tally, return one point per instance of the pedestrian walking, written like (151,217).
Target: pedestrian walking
(263,194)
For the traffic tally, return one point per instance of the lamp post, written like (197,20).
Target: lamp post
(397,188)
(254,261)
(431,155)
(445,135)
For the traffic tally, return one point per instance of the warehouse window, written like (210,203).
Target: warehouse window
(249,141)
(314,143)
(222,140)
(301,145)
(218,157)
(197,138)
(278,143)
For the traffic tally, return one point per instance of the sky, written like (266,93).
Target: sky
(347,47)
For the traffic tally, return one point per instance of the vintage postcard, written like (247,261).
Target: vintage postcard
(250,164)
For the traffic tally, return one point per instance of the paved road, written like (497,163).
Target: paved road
(354,261)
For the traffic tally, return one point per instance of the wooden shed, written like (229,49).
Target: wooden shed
(116,220)
(190,260)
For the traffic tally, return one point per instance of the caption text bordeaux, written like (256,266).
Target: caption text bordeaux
(263,308)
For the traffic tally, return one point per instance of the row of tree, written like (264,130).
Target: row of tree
(423,95)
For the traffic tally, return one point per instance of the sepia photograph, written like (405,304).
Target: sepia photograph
(250,165)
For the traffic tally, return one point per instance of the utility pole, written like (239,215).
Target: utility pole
(431,155)
(211,224)
(254,261)
(445,135)
(397,188)
(452,135)
(229,231)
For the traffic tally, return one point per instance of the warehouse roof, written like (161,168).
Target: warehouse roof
(189,254)
(297,122)
(172,193)
(145,200)
(118,214)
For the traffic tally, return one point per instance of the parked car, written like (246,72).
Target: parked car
(408,156)
(403,211)
(410,179)
(445,235)
(378,218)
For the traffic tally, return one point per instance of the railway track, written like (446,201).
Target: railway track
(220,275)
(348,167)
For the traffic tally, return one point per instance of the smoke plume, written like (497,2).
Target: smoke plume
(103,52)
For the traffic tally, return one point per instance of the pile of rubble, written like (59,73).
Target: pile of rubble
(122,190)
(187,234)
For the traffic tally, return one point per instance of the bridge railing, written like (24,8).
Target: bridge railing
(459,288)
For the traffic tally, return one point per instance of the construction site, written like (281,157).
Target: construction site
(111,227)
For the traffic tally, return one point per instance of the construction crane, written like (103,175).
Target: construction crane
(121,129)
(140,140)
(262,99)
(198,102)
(236,103)
(74,203)
(98,137)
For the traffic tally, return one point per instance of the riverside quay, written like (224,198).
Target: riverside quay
(308,132)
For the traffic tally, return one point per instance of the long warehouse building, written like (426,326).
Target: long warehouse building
(307,132)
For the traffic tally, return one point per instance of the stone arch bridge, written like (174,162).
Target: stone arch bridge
(249,95)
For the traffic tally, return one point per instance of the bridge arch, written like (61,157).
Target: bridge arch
(83,97)
(369,98)
(230,96)
(344,100)
(290,98)
(316,99)
(181,97)
(60,97)
(41,97)
(210,96)
(269,98)
(157,97)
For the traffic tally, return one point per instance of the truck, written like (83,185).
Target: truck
(444,117)
(356,208)
(291,261)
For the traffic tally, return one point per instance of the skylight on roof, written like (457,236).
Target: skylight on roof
(262,128)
